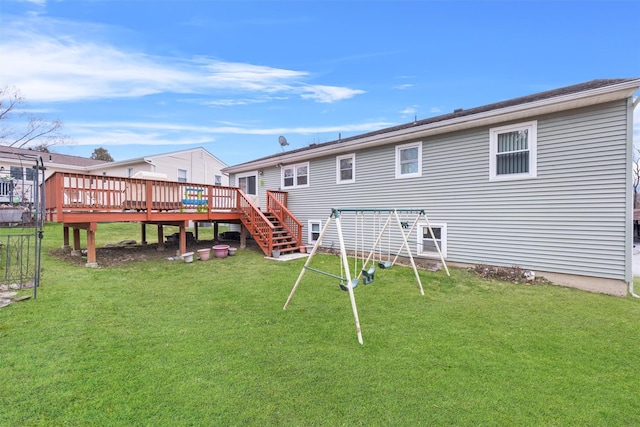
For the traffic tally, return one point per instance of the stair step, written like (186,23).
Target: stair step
(280,237)
(284,244)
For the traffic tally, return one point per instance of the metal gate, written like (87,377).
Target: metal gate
(21,221)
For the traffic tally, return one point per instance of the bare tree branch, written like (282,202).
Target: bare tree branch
(10,98)
(14,132)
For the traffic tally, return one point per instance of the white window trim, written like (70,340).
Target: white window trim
(247,175)
(532,127)
(186,174)
(353,171)
(399,174)
(310,240)
(443,239)
(295,175)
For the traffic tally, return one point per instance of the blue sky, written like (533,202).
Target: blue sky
(151,76)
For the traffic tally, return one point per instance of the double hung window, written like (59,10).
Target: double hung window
(409,160)
(314,231)
(295,175)
(346,169)
(513,151)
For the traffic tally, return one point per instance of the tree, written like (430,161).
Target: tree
(101,154)
(43,148)
(19,128)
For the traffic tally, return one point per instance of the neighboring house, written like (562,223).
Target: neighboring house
(542,181)
(17,173)
(195,165)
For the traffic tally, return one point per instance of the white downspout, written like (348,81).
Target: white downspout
(631,290)
(635,104)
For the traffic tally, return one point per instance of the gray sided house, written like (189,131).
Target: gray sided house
(543,182)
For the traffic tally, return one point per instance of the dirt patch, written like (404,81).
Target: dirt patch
(120,254)
(513,274)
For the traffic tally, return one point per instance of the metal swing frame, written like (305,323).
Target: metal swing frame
(392,214)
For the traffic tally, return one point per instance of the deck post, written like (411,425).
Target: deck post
(215,231)
(243,236)
(183,237)
(65,238)
(77,249)
(143,233)
(91,245)
(160,238)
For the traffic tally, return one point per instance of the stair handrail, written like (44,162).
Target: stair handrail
(284,215)
(256,222)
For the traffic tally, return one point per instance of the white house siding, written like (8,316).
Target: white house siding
(570,219)
(200,165)
(123,171)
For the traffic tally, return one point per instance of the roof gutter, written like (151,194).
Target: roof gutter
(517,112)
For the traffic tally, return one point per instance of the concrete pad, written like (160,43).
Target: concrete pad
(288,257)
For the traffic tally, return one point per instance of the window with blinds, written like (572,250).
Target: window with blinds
(513,151)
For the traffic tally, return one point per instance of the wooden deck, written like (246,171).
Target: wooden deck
(81,201)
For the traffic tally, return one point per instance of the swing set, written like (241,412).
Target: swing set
(367,271)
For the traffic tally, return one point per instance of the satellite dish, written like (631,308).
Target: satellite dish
(283,141)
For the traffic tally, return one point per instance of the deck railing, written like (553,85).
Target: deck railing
(81,192)
(256,222)
(72,194)
(277,205)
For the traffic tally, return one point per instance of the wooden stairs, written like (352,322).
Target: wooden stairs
(282,239)
(277,229)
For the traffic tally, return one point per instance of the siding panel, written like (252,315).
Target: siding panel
(569,219)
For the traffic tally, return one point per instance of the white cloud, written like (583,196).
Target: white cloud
(409,110)
(53,61)
(149,133)
(328,94)
(403,86)
(37,2)
(106,138)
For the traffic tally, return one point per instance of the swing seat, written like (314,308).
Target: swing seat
(367,275)
(354,284)
(386,264)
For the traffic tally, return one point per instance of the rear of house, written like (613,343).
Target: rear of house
(543,182)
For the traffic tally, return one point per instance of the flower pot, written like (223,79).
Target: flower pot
(275,253)
(221,251)
(204,254)
(232,251)
(187,257)
(303,249)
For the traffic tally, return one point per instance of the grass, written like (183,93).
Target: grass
(171,344)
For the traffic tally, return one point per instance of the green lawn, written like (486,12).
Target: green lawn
(164,343)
